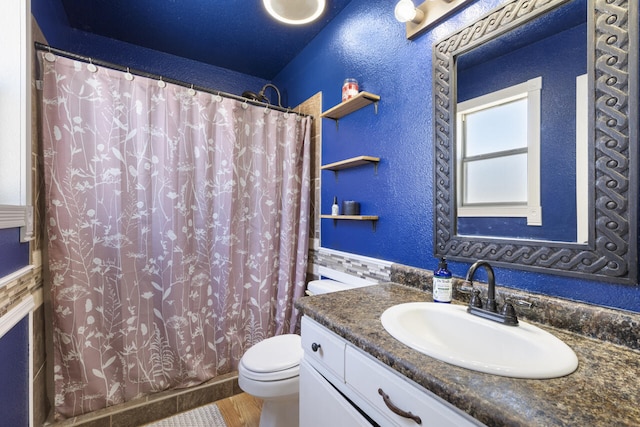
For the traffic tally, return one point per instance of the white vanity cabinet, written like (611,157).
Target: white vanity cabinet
(340,385)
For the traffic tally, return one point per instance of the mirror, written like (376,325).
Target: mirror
(602,243)
(517,155)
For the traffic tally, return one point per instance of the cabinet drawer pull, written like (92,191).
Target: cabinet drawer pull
(315,347)
(397,410)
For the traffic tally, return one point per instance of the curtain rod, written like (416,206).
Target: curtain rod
(106,64)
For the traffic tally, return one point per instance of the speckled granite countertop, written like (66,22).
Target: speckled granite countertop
(603,391)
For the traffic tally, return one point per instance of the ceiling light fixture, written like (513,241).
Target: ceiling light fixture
(295,12)
(419,19)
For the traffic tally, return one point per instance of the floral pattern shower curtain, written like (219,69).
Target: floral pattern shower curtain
(177,231)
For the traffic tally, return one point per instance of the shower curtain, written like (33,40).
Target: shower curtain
(177,231)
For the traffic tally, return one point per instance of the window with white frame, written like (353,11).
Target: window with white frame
(498,146)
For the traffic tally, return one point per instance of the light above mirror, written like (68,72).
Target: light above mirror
(295,12)
(608,252)
(406,11)
(427,14)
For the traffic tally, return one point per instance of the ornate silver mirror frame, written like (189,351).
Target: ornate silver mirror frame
(611,252)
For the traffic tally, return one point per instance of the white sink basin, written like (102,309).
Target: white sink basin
(448,333)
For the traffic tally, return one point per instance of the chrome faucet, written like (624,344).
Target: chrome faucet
(508,314)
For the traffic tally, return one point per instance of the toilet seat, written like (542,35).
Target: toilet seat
(273,359)
(269,376)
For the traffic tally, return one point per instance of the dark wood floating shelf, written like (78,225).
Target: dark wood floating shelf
(349,106)
(350,163)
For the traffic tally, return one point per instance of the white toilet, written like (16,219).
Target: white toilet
(269,370)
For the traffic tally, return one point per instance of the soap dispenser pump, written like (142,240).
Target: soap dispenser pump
(442,283)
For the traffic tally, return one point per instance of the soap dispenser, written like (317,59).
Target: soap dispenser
(442,283)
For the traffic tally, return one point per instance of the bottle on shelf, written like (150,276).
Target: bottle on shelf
(335,209)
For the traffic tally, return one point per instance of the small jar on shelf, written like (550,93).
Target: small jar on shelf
(350,89)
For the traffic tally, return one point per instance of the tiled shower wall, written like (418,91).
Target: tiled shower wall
(313,107)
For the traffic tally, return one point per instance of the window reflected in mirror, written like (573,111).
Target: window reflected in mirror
(498,145)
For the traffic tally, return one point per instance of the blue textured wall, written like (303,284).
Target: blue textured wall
(55,27)
(15,255)
(14,371)
(367,43)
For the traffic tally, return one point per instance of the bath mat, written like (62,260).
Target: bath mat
(205,416)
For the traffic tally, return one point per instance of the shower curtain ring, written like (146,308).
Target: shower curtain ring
(161,82)
(92,67)
(128,75)
(191,91)
(245,105)
(49,56)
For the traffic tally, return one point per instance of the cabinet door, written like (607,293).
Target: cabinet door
(321,405)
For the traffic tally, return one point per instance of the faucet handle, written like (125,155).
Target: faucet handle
(521,304)
(466,287)
(475,301)
(509,314)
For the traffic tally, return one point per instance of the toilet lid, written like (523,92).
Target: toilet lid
(274,354)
